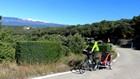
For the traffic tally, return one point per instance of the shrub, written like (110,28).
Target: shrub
(105,48)
(32,52)
(7,51)
(72,43)
(75,43)
(137,42)
(0,19)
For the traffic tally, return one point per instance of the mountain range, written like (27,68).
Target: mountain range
(12,21)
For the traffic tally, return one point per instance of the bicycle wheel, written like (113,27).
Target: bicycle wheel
(110,65)
(82,69)
(85,66)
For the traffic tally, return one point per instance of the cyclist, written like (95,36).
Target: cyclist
(92,49)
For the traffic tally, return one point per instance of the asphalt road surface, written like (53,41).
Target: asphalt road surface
(126,66)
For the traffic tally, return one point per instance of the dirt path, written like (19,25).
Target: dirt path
(127,66)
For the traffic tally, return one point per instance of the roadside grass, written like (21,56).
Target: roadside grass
(13,71)
(113,53)
(10,70)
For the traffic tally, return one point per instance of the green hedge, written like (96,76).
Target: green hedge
(37,52)
(105,48)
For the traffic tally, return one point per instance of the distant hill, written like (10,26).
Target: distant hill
(12,21)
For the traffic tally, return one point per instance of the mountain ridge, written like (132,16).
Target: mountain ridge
(13,21)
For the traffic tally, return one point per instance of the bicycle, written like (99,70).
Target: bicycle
(105,61)
(83,65)
(86,65)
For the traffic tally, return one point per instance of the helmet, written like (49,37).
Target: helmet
(90,39)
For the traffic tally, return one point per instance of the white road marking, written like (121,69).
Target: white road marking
(52,75)
(118,55)
(57,74)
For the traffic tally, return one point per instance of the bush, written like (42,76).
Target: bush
(0,19)
(7,51)
(72,43)
(75,43)
(37,52)
(105,48)
(137,42)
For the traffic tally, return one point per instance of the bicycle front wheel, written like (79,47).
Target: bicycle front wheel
(82,69)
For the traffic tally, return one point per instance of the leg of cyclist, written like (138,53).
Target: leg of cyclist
(86,53)
(94,60)
(87,60)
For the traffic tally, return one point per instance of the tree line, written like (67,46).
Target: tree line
(119,29)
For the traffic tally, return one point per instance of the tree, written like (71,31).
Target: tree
(75,43)
(136,24)
(7,51)
(0,20)
(123,31)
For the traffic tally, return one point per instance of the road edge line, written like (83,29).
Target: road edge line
(51,75)
(56,74)
(118,55)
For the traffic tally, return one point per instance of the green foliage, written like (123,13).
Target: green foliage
(105,48)
(6,45)
(0,17)
(136,24)
(71,37)
(37,52)
(72,43)
(0,20)
(6,53)
(137,42)
(124,28)
(75,43)
(101,30)
(60,39)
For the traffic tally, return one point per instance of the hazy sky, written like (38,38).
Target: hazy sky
(70,11)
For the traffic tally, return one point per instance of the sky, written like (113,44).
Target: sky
(71,12)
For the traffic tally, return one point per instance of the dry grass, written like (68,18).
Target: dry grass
(13,71)
(114,54)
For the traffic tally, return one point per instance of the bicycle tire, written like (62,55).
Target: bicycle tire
(85,66)
(82,70)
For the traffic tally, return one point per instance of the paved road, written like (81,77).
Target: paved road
(127,66)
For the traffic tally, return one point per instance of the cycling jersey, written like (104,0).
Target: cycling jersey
(92,47)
